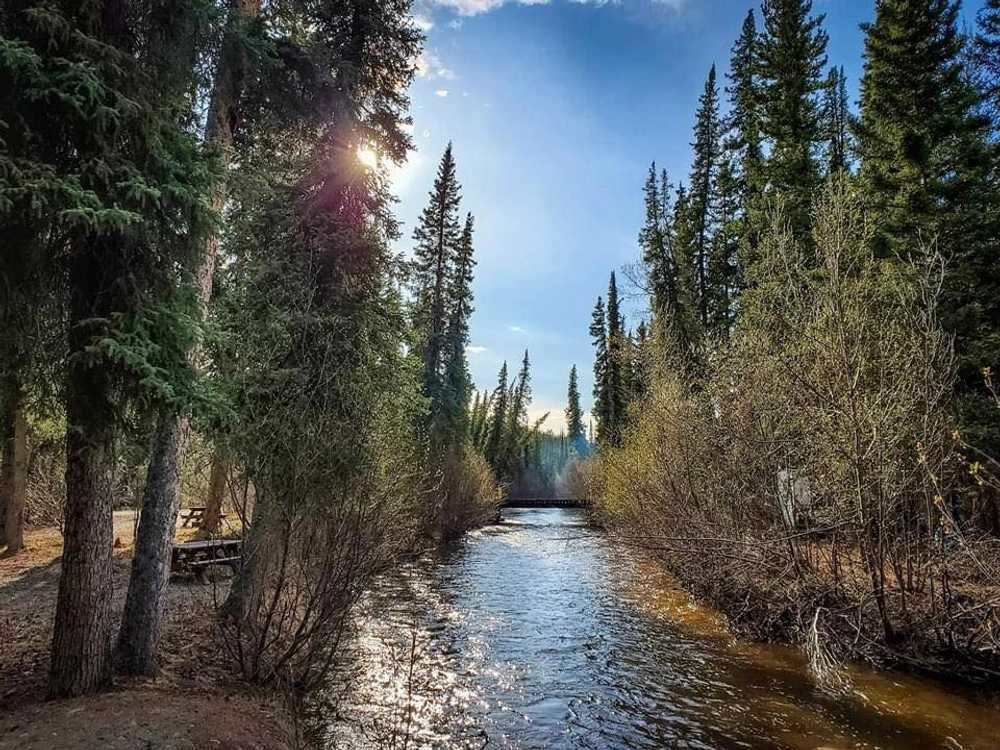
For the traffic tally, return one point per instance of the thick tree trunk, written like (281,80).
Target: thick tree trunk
(146,597)
(81,641)
(145,602)
(15,470)
(216,495)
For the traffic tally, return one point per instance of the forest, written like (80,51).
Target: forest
(203,310)
(807,434)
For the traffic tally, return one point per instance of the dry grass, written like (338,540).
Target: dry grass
(194,703)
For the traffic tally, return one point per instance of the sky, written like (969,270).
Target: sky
(555,109)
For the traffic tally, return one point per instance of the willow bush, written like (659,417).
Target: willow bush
(809,482)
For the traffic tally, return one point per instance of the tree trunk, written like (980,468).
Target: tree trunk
(15,470)
(146,597)
(81,640)
(216,495)
(145,602)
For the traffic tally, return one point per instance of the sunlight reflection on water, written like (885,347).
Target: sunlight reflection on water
(537,633)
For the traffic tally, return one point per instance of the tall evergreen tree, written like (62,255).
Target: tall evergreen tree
(744,120)
(438,238)
(654,240)
(836,116)
(615,403)
(599,338)
(514,436)
(498,418)
(927,170)
(987,53)
(683,328)
(723,267)
(458,383)
(145,601)
(707,135)
(574,415)
(107,185)
(792,61)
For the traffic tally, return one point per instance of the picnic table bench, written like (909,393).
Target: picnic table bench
(194,517)
(195,557)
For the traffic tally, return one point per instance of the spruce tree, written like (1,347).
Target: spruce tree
(520,399)
(654,240)
(744,120)
(615,398)
(987,53)
(574,415)
(602,398)
(707,134)
(106,187)
(683,329)
(495,438)
(723,267)
(836,116)
(438,238)
(457,379)
(927,171)
(792,55)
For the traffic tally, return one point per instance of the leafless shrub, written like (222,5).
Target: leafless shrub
(814,467)
(467,495)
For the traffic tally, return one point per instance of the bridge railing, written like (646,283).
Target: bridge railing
(542,502)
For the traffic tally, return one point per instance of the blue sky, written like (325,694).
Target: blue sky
(556,108)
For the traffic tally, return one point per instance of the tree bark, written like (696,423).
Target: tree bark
(81,640)
(15,470)
(216,495)
(145,603)
(146,598)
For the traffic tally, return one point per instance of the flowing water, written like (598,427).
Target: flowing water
(539,633)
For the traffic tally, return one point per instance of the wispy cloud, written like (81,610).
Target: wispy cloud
(476,349)
(516,329)
(422,22)
(429,66)
(441,92)
(476,7)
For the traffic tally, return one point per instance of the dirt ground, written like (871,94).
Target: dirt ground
(193,703)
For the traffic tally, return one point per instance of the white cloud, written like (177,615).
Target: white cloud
(476,7)
(441,92)
(476,349)
(422,22)
(429,66)
(516,329)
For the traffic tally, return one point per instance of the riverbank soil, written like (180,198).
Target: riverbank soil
(194,703)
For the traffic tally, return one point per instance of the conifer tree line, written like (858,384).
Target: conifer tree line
(196,259)
(620,373)
(526,458)
(819,381)
(921,149)
(441,281)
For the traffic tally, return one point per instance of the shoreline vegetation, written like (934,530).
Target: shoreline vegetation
(204,306)
(804,427)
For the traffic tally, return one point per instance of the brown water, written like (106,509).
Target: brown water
(539,633)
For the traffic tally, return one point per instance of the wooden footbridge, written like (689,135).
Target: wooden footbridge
(542,502)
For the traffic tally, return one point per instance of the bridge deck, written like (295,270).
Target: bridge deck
(542,502)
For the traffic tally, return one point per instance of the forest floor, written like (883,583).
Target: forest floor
(194,703)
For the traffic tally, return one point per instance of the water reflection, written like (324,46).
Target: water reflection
(537,633)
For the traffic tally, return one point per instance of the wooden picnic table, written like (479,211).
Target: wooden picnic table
(194,517)
(195,557)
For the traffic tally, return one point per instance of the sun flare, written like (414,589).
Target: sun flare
(368,157)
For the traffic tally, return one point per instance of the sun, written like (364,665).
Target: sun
(368,157)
